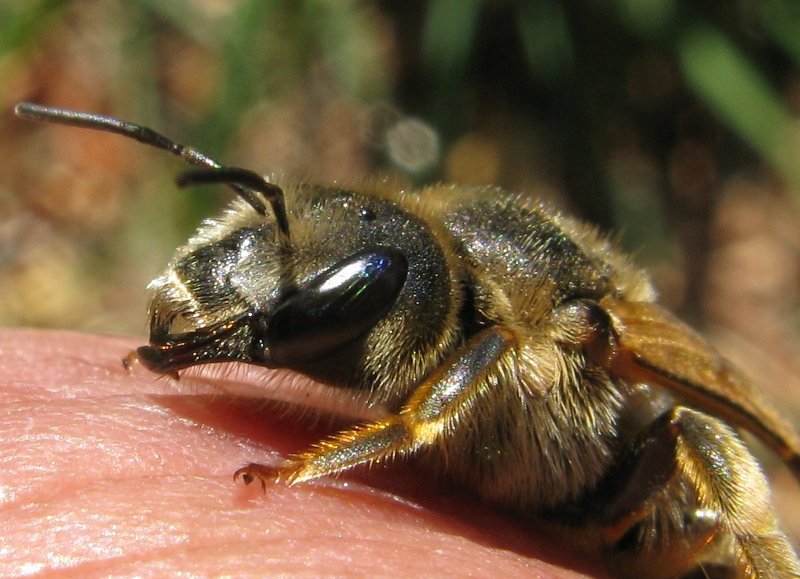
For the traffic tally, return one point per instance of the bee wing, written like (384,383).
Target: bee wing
(652,346)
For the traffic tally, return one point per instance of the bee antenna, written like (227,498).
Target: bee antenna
(246,179)
(243,182)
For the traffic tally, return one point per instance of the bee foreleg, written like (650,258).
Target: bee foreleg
(424,419)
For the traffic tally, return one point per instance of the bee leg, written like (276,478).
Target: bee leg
(628,505)
(712,513)
(422,420)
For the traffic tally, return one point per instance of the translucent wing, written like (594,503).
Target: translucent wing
(650,345)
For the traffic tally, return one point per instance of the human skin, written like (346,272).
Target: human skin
(114,472)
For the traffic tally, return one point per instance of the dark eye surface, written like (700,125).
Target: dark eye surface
(366,214)
(336,307)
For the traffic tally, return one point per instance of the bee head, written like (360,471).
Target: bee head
(356,291)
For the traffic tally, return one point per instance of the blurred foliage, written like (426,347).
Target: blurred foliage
(671,121)
(633,114)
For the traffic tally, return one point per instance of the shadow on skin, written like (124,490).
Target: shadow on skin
(109,472)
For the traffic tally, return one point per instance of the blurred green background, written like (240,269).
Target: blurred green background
(674,123)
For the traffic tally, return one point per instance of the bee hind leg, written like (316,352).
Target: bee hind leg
(695,504)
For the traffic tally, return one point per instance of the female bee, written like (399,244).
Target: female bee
(511,347)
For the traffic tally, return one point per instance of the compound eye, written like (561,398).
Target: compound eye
(336,307)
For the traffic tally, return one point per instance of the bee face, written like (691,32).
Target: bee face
(361,274)
(513,349)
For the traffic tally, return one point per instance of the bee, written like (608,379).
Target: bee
(507,345)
